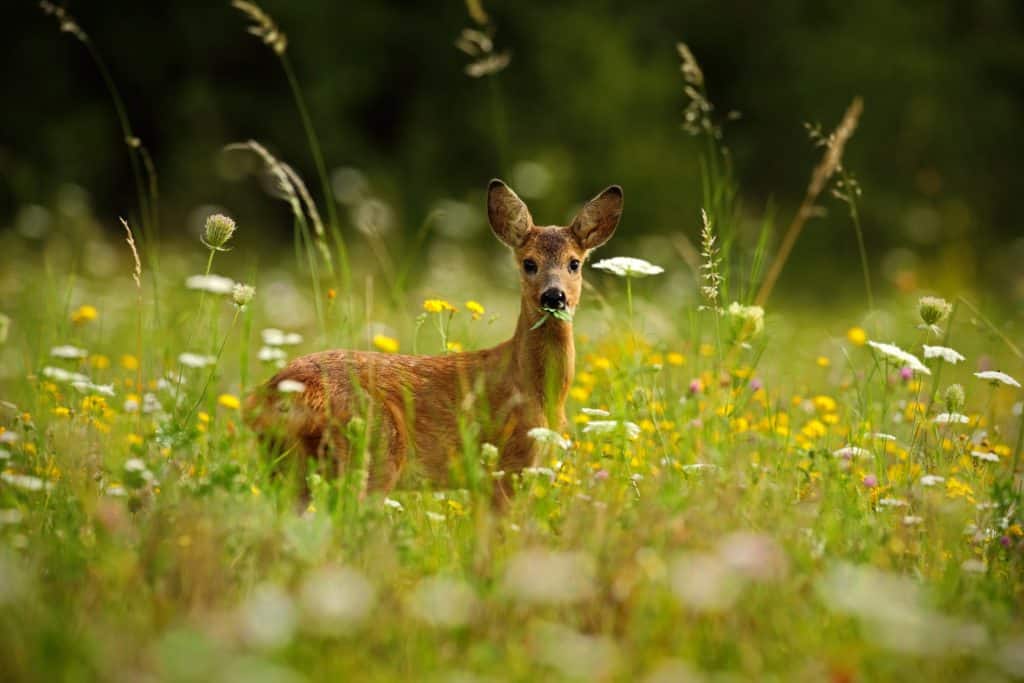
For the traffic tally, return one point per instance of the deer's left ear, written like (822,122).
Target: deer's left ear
(596,222)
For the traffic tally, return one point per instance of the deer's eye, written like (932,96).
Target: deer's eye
(530,266)
(574,265)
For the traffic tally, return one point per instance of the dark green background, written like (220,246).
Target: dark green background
(593,92)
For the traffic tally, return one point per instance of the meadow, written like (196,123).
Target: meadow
(744,491)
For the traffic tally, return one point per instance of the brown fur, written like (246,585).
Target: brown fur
(413,403)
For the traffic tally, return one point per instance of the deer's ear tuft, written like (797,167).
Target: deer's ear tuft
(596,222)
(509,218)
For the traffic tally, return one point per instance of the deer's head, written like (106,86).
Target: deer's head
(550,258)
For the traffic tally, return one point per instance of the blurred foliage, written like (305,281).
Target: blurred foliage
(592,95)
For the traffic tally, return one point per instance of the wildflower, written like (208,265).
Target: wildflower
(675,358)
(630,429)
(84,314)
(912,520)
(951,418)
(549,436)
(595,412)
(437,306)
(229,401)
(68,352)
(906,374)
(385,343)
(270,354)
(263,26)
(25,482)
(568,577)
(435,516)
(893,503)
(857,336)
(985,455)
(267,618)
(335,599)
(63,376)
(848,452)
(997,378)
(443,602)
(196,361)
(823,362)
(933,310)
(870,481)
(931,480)
(896,353)
(393,504)
(291,386)
(88,387)
(213,284)
(454,347)
(704,582)
(475,309)
(954,398)
(748,321)
(275,337)
(944,352)
(241,294)
(129,362)
(627,266)
(696,386)
(218,230)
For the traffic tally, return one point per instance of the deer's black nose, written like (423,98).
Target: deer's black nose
(554,298)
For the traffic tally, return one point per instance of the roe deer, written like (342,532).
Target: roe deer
(413,403)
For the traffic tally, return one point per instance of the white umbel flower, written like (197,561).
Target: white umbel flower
(899,355)
(291,386)
(68,352)
(944,352)
(627,266)
(274,337)
(850,452)
(549,436)
(195,360)
(951,418)
(931,480)
(63,376)
(631,429)
(985,455)
(214,284)
(997,378)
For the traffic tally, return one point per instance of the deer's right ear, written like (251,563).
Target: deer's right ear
(510,219)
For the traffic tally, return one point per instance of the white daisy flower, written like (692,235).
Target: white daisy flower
(627,266)
(63,376)
(9,437)
(850,452)
(931,480)
(997,377)
(951,418)
(631,429)
(194,360)
(214,284)
(69,352)
(290,386)
(903,357)
(881,436)
(549,436)
(985,455)
(595,412)
(275,337)
(944,352)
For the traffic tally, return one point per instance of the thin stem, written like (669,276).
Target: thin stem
(855,217)
(213,369)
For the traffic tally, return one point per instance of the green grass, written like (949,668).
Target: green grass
(715,529)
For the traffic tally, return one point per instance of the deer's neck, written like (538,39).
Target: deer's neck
(546,359)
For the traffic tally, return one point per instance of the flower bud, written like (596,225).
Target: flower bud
(933,309)
(219,229)
(954,398)
(242,294)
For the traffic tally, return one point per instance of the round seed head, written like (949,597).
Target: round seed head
(954,398)
(242,294)
(219,229)
(933,309)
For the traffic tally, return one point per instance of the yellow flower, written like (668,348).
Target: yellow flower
(602,363)
(823,361)
(332,294)
(99,361)
(62,411)
(476,309)
(129,362)
(229,401)
(385,343)
(958,489)
(675,358)
(134,440)
(204,417)
(707,350)
(84,314)
(825,404)
(857,336)
(580,394)
(437,306)
(454,346)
